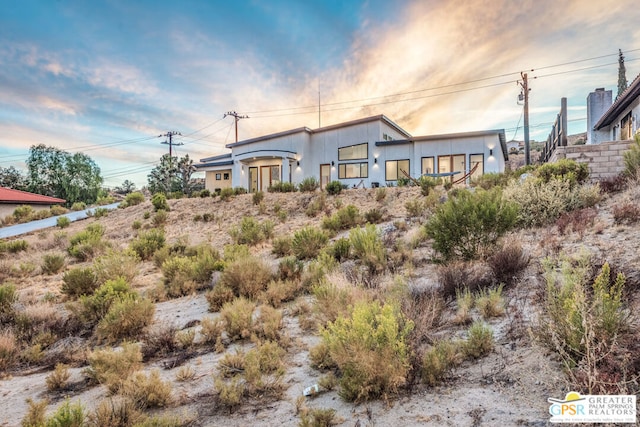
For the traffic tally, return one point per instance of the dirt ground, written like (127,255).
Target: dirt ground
(509,387)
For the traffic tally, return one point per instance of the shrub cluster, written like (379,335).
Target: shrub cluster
(159,202)
(190,270)
(367,246)
(282,187)
(334,188)
(87,243)
(251,232)
(309,184)
(343,219)
(246,276)
(564,170)
(146,244)
(307,242)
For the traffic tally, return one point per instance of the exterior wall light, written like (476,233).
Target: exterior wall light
(332,163)
(491,151)
(298,162)
(375,160)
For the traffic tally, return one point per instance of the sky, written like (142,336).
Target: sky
(108,77)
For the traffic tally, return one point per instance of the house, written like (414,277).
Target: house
(366,152)
(617,121)
(10,199)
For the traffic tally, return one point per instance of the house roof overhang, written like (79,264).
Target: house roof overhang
(9,195)
(214,164)
(219,157)
(459,135)
(620,105)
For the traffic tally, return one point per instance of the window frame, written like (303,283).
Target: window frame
(433,164)
(386,175)
(219,177)
(354,158)
(342,167)
(478,172)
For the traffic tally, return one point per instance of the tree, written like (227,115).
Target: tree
(126,187)
(12,178)
(164,177)
(622,74)
(185,170)
(57,173)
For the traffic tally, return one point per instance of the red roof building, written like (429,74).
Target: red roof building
(11,199)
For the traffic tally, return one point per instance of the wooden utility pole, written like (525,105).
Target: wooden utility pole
(169,135)
(237,118)
(525,95)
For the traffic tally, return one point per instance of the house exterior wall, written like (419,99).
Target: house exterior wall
(615,130)
(212,184)
(605,160)
(598,103)
(8,208)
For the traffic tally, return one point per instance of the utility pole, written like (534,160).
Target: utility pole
(525,95)
(237,119)
(169,135)
(319,116)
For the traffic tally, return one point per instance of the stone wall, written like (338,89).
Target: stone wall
(605,160)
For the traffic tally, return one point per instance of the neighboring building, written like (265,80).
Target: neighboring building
(11,199)
(617,121)
(365,152)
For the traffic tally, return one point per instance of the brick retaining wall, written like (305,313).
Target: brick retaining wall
(605,160)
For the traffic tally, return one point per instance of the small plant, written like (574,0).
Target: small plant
(440,360)
(211,329)
(341,249)
(282,187)
(100,212)
(185,373)
(78,206)
(237,317)
(23,213)
(268,323)
(318,418)
(333,188)
(8,350)
(186,338)
(226,194)
(251,232)
(35,416)
(307,242)
(230,394)
(135,198)
(160,218)
(112,367)
(381,194)
(239,190)
(480,340)
(146,244)
(373,216)
(59,378)
(626,213)
(415,208)
(79,281)
(13,246)
(309,184)
(632,158)
(53,263)
(317,205)
(146,215)
(63,222)
(159,202)
(67,415)
(92,308)
(290,268)
(116,412)
(126,319)
(205,193)
(147,391)
(258,196)
(281,246)
(367,246)
(508,262)
(116,263)
(246,276)
(464,304)
(7,297)
(490,302)
(87,243)
(344,219)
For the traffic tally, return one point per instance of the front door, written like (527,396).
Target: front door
(325,175)
(265,177)
(253,179)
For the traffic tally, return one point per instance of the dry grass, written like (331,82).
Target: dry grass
(147,391)
(59,378)
(112,367)
(238,318)
(8,350)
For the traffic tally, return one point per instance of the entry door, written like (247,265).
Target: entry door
(253,179)
(265,177)
(325,175)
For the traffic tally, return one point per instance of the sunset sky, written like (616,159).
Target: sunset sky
(107,77)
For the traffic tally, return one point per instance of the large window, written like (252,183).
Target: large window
(353,152)
(394,168)
(479,160)
(626,127)
(427,165)
(353,170)
(455,163)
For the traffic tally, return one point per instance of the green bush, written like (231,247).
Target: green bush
(247,276)
(490,180)
(238,318)
(309,184)
(480,340)
(258,196)
(63,222)
(282,187)
(470,224)
(415,208)
(440,360)
(344,219)
(290,268)
(427,184)
(542,203)
(563,169)
(94,307)
(341,249)
(159,202)
(160,218)
(52,263)
(116,263)
(126,318)
(367,246)
(67,415)
(373,216)
(205,193)
(13,246)
(23,213)
(133,199)
(632,159)
(333,188)
(78,206)
(112,367)
(307,242)
(370,348)
(146,244)
(282,246)
(79,281)
(100,212)
(250,231)
(7,297)
(87,243)
(239,190)
(226,194)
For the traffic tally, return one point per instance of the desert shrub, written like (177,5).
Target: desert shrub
(79,281)
(218,296)
(52,263)
(177,276)
(100,212)
(307,242)
(460,275)
(317,205)
(309,184)
(105,200)
(160,218)
(35,416)
(226,194)
(94,307)
(230,394)
(281,246)
(159,202)
(282,187)
(626,213)
(415,208)
(159,341)
(440,360)
(343,219)
(290,268)
(341,249)
(258,196)
(238,318)
(116,413)
(246,276)
(381,194)
(541,203)
(479,342)
(112,367)
(279,291)
(251,232)
(333,188)
(146,215)
(56,210)
(265,360)
(464,304)
(373,216)
(425,308)
(632,159)
(206,260)
(508,262)
(67,415)
(58,379)
(490,302)
(318,417)
(146,244)
(211,329)
(13,246)
(239,190)
(577,221)
(563,169)
(470,224)
(116,263)
(126,318)
(8,349)
(63,222)
(268,323)
(370,349)
(614,184)
(135,198)
(78,206)
(427,184)
(147,391)
(367,246)
(7,297)
(23,213)
(87,243)
(490,180)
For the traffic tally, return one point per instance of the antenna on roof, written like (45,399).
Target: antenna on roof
(237,119)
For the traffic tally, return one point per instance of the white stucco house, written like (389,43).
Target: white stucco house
(367,152)
(613,121)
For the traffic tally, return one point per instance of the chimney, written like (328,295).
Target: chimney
(598,102)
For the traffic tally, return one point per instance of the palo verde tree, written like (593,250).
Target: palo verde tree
(57,173)
(171,175)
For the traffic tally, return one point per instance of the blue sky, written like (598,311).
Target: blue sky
(108,77)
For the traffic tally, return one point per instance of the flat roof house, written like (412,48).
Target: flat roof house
(364,152)
(10,199)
